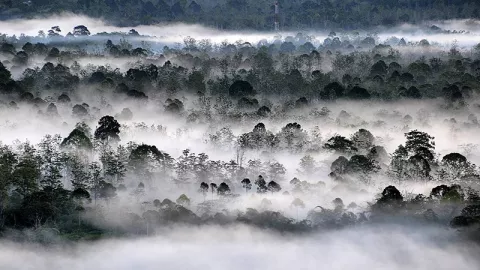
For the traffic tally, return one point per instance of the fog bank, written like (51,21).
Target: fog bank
(176,32)
(246,248)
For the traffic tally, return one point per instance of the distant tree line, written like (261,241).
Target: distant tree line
(247,14)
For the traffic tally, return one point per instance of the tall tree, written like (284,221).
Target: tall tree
(27,172)
(246,184)
(51,162)
(108,129)
(204,189)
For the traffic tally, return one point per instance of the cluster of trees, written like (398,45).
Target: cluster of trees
(247,14)
(60,180)
(63,181)
(235,77)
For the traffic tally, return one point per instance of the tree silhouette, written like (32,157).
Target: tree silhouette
(261,184)
(223,189)
(246,184)
(108,129)
(273,187)
(204,189)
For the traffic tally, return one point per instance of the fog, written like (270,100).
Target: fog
(240,247)
(170,34)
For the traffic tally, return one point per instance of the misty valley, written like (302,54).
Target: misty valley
(186,147)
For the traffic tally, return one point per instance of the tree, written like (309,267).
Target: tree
(298,203)
(213,188)
(446,193)
(95,180)
(183,200)
(390,198)
(8,159)
(5,74)
(261,184)
(108,129)
(292,137)
(81,30)
(223,189)
(145,159)
(307,165)
(241,89)
(420,143)
(115,163)
(455,167)
(418,167)
(339,166)
(51,162)
(27,172)
(276,170)
(379,68)
(273,187)
(79,174)
(106,190)
(332,91)
(77,140)
(340,144)
(363,139)
(246,184)
(362,166)
(79,111)
(204,189)
(358,93)
(287,47)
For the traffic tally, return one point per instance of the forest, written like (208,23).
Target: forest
(248,14)
(119,135)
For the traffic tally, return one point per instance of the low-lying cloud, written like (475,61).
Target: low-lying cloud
(171,33)
(240,247)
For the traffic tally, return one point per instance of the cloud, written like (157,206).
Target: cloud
(240,247)
(170,33)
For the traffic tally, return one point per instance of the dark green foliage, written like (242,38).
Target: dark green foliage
(106,190)
(241,89)
(411,92)
(264,111)
(204,188)
(340,144)
(363,139)
(454,158)
(358,93)
(77,140)
(273,186)
(339,166)
(81,30)
(80,194)
(248,103)
(390,199)
(79,111)
(261,184)
(332,91)
(174,106)
(250,15)
(223,189)
(420,143)
(139,157)
(246,184)
(108,129)
(258,138)
(135,94)
(360,164)
(446,193)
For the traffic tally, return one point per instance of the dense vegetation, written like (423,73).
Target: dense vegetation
(247,14)
(91,180)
